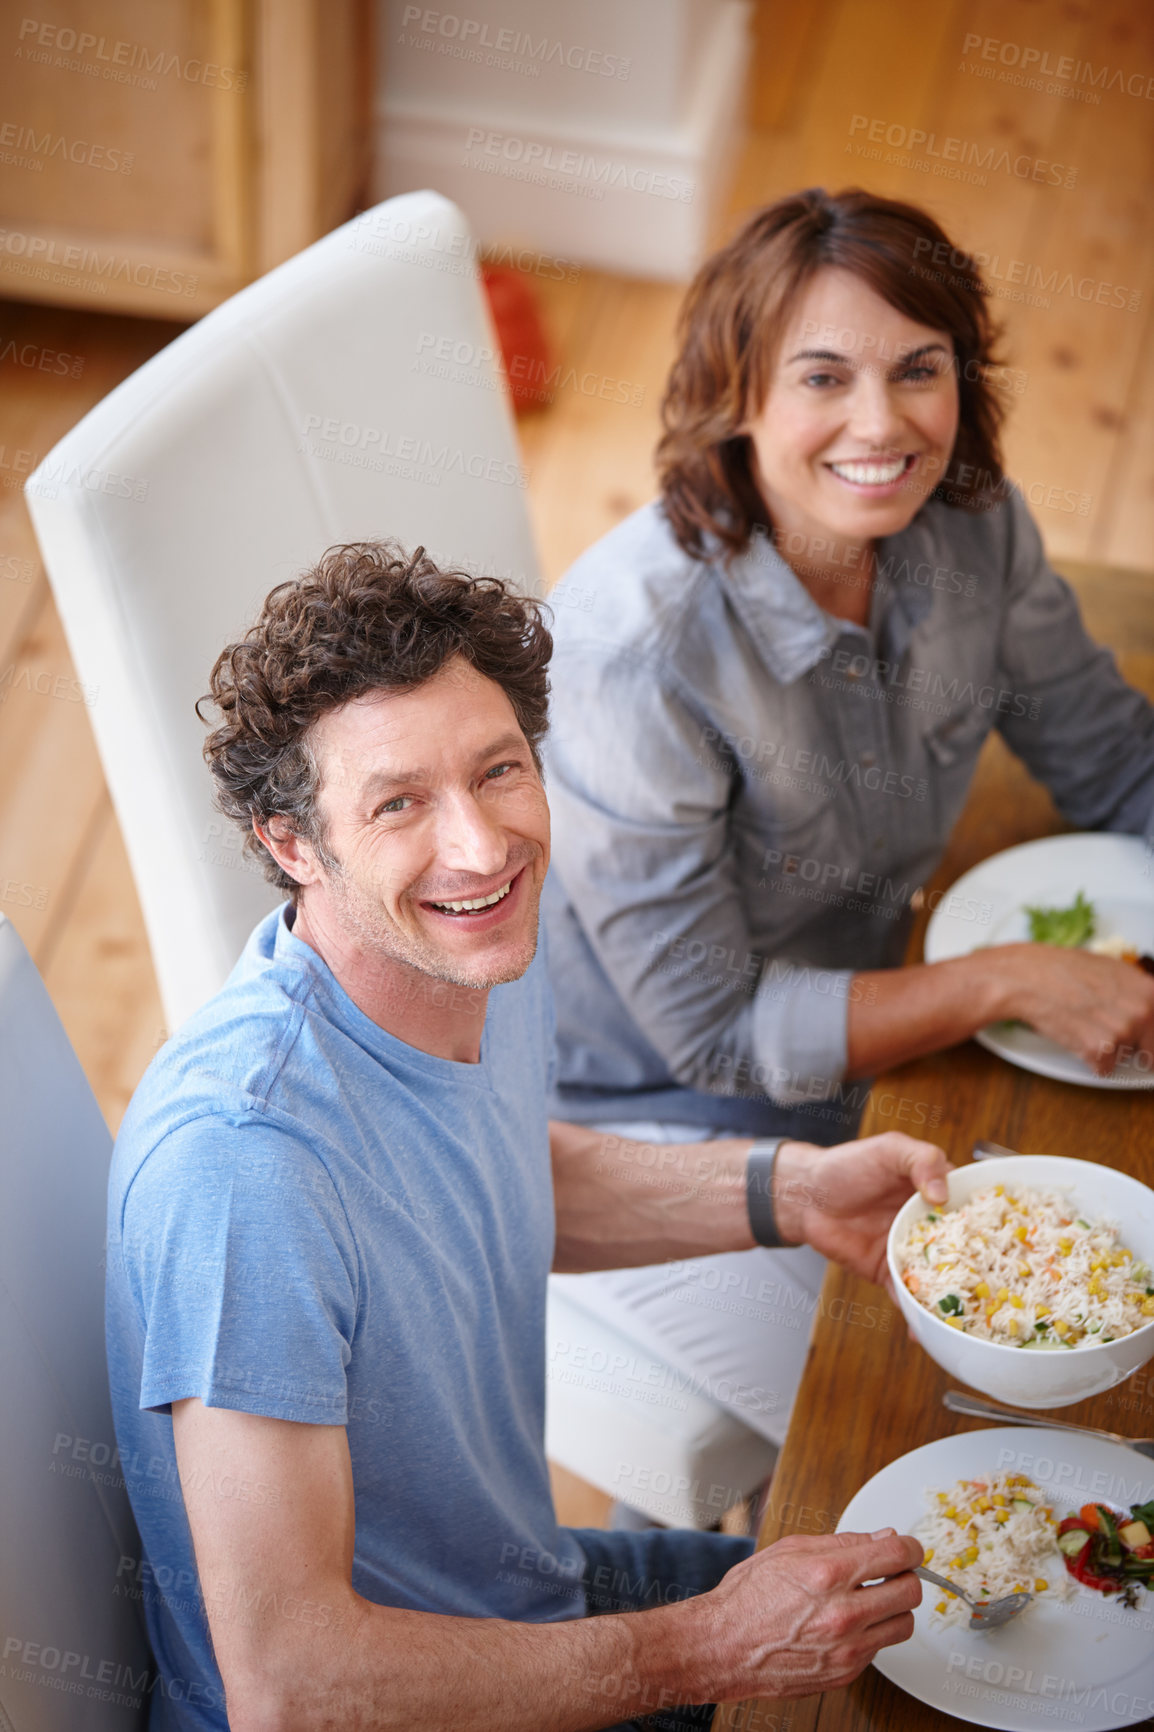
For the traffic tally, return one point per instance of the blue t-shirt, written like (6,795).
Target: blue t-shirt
(309,1219)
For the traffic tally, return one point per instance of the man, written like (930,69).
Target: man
(332,1215)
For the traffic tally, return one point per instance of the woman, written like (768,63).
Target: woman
(766,714)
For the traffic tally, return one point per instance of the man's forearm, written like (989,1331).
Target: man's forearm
(299,1649)
(621,1203)
(375,1669)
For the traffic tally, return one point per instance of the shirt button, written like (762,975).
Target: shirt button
(868,759)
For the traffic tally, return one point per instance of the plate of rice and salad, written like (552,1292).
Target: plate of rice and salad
(1066,1518)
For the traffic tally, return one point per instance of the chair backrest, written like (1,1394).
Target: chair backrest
(352,393)
(73,1653)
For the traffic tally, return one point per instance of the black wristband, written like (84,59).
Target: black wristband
(759,1192)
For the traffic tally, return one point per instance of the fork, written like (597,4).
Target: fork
(984,1615)
(984,1150)
(978,1409)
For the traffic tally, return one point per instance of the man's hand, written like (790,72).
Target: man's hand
(796,1618)
(843,1200)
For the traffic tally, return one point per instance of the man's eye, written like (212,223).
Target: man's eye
(498,770)
(398,804)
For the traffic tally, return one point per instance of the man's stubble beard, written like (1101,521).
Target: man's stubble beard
(360,915)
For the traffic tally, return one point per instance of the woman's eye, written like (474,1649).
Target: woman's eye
(822,379)
(918,374)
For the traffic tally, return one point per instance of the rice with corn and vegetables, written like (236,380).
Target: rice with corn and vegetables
(1023,1268)
(992,1536)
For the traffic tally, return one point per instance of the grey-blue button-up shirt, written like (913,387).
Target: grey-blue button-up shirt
(747,792)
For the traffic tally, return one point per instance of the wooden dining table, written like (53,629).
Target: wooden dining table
(869,1393)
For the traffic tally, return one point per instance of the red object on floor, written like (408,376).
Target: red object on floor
(528,361)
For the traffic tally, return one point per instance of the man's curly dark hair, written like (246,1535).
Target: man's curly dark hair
(367,617)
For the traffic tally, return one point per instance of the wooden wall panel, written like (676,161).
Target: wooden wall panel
(157,161)
(162,93)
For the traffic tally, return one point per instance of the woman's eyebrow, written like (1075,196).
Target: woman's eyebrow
(841,358)
(819,355)
(922,349)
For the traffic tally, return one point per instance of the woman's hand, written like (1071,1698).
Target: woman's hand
(842,1200)
(1094,1006)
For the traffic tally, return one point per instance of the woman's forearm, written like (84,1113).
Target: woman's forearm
(1098,1008)
(904,1013)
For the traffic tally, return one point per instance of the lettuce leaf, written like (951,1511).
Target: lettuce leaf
(1068,927)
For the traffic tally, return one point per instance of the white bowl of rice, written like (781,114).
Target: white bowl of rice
(1035,1282)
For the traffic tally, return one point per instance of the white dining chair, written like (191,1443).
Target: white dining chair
(73,1653)
(352,393)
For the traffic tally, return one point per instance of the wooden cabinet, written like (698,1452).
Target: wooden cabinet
(155,155)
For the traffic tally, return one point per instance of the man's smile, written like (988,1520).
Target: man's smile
(486,909)
(471,904)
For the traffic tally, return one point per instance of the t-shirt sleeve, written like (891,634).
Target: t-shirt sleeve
(240,1256)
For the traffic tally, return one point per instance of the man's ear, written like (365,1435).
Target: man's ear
(292,853)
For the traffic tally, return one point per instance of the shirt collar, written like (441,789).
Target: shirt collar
(793,633)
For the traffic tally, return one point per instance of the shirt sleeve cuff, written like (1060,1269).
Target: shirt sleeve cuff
(800,1031)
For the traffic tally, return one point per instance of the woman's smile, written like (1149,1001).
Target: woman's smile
(873,475)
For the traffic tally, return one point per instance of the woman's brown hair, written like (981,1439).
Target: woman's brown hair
(732,321)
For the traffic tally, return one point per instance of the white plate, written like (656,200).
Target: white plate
(1086,1663)
(987,906)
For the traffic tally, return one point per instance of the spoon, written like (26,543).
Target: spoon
(984,1614)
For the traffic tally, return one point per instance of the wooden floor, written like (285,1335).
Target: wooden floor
(827,71)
